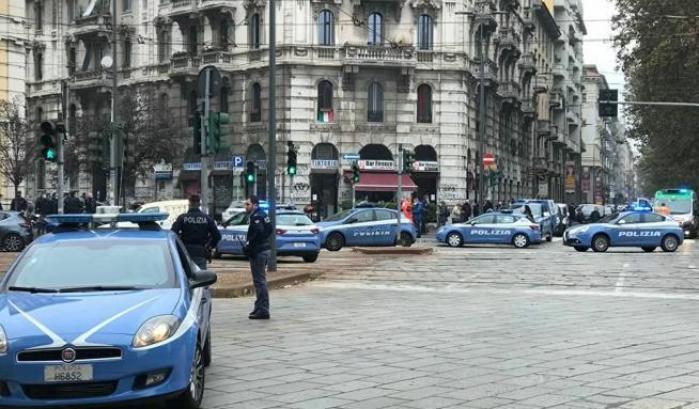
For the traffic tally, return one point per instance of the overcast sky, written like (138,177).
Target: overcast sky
(598,49)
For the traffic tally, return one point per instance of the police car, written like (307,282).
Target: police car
(95,317)
(492,228)
(365,226)
(544,212)
(628,229)
(296,235)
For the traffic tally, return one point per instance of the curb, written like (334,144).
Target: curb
(243,290)
(416,251)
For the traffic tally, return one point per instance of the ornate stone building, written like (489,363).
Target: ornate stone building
(353,77)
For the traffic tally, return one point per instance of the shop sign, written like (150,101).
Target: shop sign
(324,164)
(370,164)
(426,166)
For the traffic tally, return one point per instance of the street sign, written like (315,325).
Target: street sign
(350,156)
(238,161)
(488,159)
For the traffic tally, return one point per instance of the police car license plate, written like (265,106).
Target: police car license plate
(299,244)
(67,373)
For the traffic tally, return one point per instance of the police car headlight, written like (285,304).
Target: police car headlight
(156,330)
(3,342)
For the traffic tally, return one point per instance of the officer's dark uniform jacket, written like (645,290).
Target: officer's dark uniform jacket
(197,231)
(259,230)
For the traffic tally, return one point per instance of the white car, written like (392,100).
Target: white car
(232,210)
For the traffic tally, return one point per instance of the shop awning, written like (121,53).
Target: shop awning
(384,182)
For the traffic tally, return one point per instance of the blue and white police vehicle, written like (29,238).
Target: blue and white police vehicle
(627,229)
(492,228)
(365,226)
(95,317)
(296,235)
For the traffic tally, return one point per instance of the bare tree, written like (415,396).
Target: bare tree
(17,143)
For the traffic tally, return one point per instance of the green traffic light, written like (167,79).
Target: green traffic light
(51,154)
(291,170)
(250,178)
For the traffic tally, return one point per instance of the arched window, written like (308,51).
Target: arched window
(375,103)
(256,106)
(325,102)
(375,29)
(425,32)
(326,28)
(255,31)
(225,31)
(424,104)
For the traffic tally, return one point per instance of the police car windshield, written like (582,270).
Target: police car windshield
(95,263)
(293,220)
(339,216)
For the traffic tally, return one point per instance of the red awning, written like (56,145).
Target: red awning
(384,182)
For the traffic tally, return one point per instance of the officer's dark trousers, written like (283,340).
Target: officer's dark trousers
(258,267)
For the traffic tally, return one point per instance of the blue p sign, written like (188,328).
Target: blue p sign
(238,161)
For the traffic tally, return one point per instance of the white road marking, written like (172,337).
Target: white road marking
(537,291)
(622,277)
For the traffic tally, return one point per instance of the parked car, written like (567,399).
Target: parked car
(492,228)
(365,227)
(15,231)
(296,235)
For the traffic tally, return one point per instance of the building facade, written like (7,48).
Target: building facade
(357,77)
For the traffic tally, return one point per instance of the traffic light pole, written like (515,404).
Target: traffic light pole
(114,135)
(272,162)
(59,144)
(399,192)
(204,146)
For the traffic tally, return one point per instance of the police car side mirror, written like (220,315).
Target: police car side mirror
(202,278)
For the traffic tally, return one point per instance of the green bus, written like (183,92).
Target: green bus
(683,208)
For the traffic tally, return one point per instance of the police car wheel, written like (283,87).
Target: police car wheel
(192,396)
(335,242)
(405,240)
(648,249)
(217,254)
(13,242)
(669,243)
(520,241)
(455,240)
(581,249)
(600,243)
(311,258)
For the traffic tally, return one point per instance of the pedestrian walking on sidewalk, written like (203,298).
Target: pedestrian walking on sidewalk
(257,248)
(198,232)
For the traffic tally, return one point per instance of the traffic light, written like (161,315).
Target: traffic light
(218,134)
(291,160)
(48,141)
(196,133)
(606,108)
(355,173)
(408,160)
(250,172)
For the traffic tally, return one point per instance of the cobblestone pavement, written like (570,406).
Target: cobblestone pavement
(471,328)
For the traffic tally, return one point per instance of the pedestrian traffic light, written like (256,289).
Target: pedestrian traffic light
(218,132)
(607,103)
(48,141)
(291,160)
(355,173)
(250,172)
(408,160)
(196,132)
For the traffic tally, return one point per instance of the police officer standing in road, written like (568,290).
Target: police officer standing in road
(257,248)
(198,232)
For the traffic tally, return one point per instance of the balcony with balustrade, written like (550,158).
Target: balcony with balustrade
(375,55)
(527,64)
(184,65)
(543,127)
(508,38)
(92,25)
(489,74)
(96,78)
(509,91)
(182,7)
(528,108)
